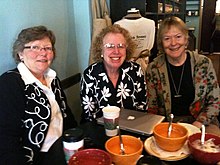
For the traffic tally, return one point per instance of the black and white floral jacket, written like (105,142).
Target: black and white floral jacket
(97,91)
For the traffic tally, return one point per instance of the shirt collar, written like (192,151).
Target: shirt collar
(29,78)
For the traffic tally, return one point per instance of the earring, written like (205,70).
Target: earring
(20,56)
(21,59)
(102,55)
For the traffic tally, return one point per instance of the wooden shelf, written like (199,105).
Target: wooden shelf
(192,8)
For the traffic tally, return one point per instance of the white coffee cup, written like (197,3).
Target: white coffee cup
(111,119)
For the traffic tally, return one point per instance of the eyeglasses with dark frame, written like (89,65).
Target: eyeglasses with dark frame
(36,48)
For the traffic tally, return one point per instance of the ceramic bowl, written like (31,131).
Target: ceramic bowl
(199,154)
(149,160)
(177,139)
(133,149)
(90,157)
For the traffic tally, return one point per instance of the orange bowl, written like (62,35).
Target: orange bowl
(90,157)
(177,139)
(133,149)
(201,156)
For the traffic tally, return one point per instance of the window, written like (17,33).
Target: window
(217,8)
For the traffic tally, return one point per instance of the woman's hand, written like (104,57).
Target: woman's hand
(211,128)
(197,124)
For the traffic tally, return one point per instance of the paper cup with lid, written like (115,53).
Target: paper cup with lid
(73,141)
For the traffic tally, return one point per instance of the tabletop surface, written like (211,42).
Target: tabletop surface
(95,138)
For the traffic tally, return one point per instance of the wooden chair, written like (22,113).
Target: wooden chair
(216,63)
(70,81)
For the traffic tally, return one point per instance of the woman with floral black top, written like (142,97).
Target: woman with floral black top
(182,82)
(112,80)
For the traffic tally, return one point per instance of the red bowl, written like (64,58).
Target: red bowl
(204,157)
(90,157)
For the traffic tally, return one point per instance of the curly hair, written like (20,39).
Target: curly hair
(165,25)
(97,46)
(29,35)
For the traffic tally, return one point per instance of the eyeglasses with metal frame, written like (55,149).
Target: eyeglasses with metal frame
(111,46)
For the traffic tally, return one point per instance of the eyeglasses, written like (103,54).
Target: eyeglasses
(110,46)
(36,48)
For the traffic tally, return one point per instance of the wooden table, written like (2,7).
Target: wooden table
(95,138)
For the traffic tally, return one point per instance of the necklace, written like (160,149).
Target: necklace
(180,82)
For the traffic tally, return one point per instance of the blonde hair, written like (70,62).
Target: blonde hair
(165,25)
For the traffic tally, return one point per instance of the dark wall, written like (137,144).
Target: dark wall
(117,12)
(207,26)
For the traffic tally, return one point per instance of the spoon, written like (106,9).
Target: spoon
(170,125)
(121,142)
(203,135)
